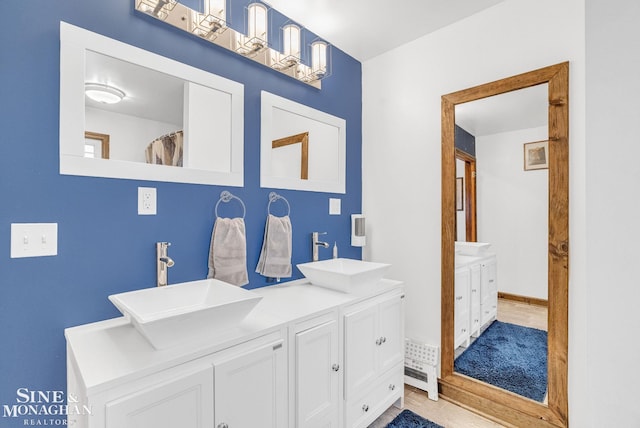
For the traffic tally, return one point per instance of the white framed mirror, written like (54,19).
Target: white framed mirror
(301,148)
(173,123)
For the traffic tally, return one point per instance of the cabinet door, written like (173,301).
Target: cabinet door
(250,389)
(462,308)
(489,280)
(391,327)
(361,336)
(185,401)
(475,300)
(489,277)
(317,376)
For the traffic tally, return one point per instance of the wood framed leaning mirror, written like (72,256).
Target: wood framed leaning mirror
(489,400)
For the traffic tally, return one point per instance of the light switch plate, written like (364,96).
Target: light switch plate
(34,239)
(334,206)
(147,201)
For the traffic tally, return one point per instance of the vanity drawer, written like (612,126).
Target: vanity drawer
(489,308)
(365,408)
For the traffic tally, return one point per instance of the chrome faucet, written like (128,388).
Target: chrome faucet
(163,262)
(315,244)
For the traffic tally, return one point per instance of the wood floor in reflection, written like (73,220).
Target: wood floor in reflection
(448,414)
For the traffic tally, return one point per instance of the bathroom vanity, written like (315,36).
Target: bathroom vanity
(476,296)
(305,356)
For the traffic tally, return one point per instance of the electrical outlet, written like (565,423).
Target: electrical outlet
(147,201)
(34,239)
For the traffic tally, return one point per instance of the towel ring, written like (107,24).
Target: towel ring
(273,197)
(226,196)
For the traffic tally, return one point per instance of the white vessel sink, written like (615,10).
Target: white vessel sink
(186,312)
(346,275)
(471,248)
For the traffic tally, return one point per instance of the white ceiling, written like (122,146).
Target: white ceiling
(149,94)
(367,28)
(522,109)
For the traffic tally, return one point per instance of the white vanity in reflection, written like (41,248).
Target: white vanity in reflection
(305,356)
(476,291)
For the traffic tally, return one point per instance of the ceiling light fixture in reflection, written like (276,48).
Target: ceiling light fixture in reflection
(102,93)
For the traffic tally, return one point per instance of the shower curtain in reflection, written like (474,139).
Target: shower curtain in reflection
(166,150)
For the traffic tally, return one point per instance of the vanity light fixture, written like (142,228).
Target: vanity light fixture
(157,8)
(102,93)
(320,60)
(291,45)
(256,39)
(211,24)
(257,24)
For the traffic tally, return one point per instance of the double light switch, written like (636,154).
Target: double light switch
(34,239)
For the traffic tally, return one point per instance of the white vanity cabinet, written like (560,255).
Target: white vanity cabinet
(305,357)
(476,297)
(179,397)
(374,357)
(250,387)
(317,372)
(475,322)
(242,386)
(489,290)
(461,323)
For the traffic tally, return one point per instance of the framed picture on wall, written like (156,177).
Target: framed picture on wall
(459,194)
(536,155)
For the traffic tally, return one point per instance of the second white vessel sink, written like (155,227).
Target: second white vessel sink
(346,275)
(186,312)
(471,248)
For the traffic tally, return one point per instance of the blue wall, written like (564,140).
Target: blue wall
(104,246)
(465,141)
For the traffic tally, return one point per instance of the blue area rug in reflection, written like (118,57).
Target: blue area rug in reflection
(408,419)
(508,356)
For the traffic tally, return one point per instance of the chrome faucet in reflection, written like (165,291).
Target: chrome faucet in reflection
(163,263)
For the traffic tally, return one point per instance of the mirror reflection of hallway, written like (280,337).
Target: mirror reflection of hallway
(506,207)
(527,231)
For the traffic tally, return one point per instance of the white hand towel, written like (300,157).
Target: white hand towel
(228,251)
(275,257)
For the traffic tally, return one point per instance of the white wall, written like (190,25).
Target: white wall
(512,211)
(129,135)
(613,150)
(401,149)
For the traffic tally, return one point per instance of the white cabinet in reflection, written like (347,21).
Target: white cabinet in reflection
(476,297)
(488,290)
(462,306)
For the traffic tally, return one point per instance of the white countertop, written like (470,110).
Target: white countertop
(111,352)
(462,261)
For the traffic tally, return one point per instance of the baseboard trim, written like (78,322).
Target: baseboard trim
(523,299)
